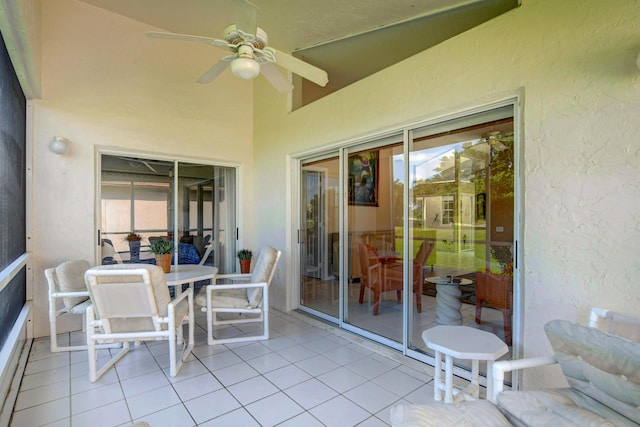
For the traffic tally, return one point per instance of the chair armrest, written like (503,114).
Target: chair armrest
(211,288)
(596,314)
(182,296)
(171,307)
(234,276)
(69,294)
(377,267)
(499,369)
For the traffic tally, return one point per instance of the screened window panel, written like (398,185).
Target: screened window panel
(12,190)
(12,298)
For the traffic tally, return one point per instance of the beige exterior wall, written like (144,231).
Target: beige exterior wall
(105,84)
(572,63)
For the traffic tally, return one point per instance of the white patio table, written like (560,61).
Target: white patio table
(462,342)
(189,273)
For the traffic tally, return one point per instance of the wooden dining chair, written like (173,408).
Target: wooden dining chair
(392,272)
(497,291)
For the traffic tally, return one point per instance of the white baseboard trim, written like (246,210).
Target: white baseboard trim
(13,360)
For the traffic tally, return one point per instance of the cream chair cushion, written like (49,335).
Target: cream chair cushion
(70,275)
(261,273)
(244,298)
(479,413)
(560,407)
(603,372)
(226,298)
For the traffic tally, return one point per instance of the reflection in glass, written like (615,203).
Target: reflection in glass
(459,178)
(320,237)
(138,206)
(461,193)
(374,300)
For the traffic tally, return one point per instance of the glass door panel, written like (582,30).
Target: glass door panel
(427,236)
(136,205)
(207,221)
(139,205)
(374,239)
(461,198)
(320,237)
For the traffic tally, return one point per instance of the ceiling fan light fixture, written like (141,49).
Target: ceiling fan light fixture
(245,68)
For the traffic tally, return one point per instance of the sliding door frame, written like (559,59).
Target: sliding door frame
(176,160)
(296,227)
(406,129)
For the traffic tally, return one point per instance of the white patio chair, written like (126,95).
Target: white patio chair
(615,323)
(66,282)
(601,370)
(206,254)
(132,303)
(109,254)
(603,319)
(241,299)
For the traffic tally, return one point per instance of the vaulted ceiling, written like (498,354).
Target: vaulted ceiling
(350,39)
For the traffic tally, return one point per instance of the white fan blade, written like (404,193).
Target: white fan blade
(214,71)
(149,166)
(276,78)
(301,68)
(187,37)
(246,17)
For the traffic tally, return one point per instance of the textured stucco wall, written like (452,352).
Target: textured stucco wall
(106,84)
(572,62)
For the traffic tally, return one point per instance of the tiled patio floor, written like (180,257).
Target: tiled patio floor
(308,374)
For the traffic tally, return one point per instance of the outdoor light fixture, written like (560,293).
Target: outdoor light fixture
(59,145)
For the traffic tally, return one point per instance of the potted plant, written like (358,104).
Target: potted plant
(133,237)
(162,250)
(245,255)
(134,246)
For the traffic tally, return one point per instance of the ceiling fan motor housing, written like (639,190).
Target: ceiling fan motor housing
(233,36)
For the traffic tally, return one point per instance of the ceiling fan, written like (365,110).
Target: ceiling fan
(251,54)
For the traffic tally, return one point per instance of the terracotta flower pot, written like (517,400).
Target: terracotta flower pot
(245,266)
(164,261)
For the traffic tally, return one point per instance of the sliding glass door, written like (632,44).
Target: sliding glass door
(424,234)
(461,199)
(374,300)
(192,205)
(319,237)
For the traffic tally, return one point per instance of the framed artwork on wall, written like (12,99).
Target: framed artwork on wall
(363,178)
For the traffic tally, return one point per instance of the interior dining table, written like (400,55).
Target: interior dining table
(182,274)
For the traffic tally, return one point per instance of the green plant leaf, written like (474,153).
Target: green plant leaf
(161,247)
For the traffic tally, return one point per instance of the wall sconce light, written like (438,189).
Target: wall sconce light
(59,145)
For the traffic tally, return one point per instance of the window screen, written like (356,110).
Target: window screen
(12,190)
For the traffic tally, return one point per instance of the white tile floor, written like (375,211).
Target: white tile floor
(322,296)
(308,374)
